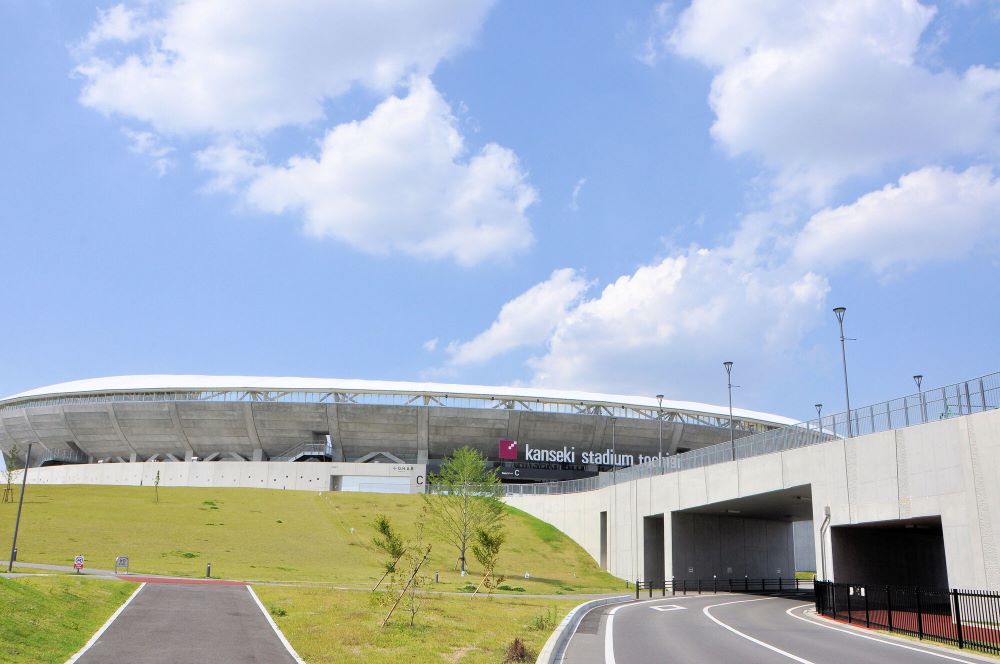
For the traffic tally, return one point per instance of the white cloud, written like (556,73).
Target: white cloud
(667,322)
(225,74)
(117,24)
(400,180)
(574,202)
(662,326)
(528,319)
(150,145)
(252,66)
(930,215)
(824,91)
(431,345)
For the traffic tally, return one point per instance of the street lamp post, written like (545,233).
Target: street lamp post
(20,503)
(614,483)
(659,399)
(839,312)
(729,385)
(819,419)
(918,379)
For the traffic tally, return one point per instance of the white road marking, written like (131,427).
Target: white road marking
(747,636)
(668,607)
(105,626)
(609,642)
(872,638)
(274,626)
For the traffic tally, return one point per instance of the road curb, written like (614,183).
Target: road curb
(554,649)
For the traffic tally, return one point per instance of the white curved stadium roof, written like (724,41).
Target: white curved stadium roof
(178,383)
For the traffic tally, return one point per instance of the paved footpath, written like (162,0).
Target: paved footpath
(181,623)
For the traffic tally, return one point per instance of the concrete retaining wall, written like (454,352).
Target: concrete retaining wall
(948,469)
(308,476)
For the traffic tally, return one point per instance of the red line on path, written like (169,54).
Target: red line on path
(199,582)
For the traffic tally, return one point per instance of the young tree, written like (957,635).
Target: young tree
(389,541)
(13,464)
(463,498)
(486,549)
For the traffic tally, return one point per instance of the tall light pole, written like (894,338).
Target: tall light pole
(614,486)
(819,419)
(918,379)
(729,385)
(659,398)
(20,502)
(839,312)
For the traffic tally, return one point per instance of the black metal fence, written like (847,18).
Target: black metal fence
(966,618)
(700,586)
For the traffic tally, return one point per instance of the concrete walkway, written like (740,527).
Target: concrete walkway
(180,623)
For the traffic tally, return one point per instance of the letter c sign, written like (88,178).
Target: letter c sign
(420,480)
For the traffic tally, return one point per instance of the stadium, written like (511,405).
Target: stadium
(357,428)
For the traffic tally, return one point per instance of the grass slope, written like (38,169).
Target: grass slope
(261,534)
(47,619)
(328,627)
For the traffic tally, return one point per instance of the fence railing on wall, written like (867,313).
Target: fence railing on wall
(970,396)
(966,618)
(717,585)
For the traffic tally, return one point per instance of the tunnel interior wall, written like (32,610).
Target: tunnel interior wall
(805,546)
(893,555)
(707,545)
(653,549)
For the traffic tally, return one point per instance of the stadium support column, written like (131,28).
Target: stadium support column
(423,434)
(333,427)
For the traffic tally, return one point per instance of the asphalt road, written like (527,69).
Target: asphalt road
(184,623)
(735,629)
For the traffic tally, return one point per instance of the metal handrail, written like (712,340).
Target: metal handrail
(970,396)
(303,449)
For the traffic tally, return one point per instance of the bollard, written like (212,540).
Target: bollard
(437,577)
(208,571)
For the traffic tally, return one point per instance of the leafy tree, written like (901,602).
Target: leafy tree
(486,549)
(463,498)
(389,541)
(13,464)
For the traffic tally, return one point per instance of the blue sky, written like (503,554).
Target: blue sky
(611,199)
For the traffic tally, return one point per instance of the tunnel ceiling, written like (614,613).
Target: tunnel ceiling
(793,504)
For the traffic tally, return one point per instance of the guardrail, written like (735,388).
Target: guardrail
(966,618)
(965,398)
(701,586)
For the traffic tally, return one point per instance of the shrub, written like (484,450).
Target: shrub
(278,611)
(517,652)
(544,622)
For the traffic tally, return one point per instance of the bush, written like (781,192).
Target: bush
(278,611)
(544,622)
(513,589)
(518,652)
(467,588)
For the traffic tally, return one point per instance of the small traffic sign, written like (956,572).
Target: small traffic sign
(78,563)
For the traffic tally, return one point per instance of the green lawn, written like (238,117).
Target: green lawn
(262,534)
(47,619)
(343,626)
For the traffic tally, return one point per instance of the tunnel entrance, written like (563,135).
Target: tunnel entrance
(653,549)
(744,537)
(604,541)
(906,552)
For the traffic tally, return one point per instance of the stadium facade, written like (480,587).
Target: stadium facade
(380,427)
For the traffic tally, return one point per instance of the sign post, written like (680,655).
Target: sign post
(121,561)
(78,563)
